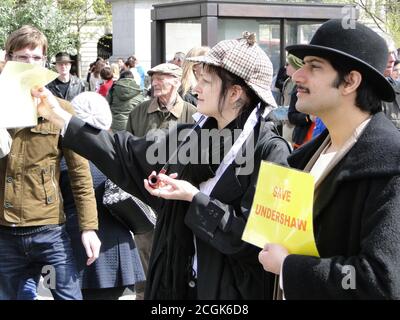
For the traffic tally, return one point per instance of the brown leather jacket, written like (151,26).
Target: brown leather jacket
(29,175)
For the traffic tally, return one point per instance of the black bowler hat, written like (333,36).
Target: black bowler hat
(63,57)
(359,45)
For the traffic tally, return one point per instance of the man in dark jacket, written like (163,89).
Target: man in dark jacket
(66,86)
(355,165)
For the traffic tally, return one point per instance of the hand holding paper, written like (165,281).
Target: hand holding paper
(272,257)
(49,108)
(17,79)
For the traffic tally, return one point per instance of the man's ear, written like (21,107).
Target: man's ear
(352,82)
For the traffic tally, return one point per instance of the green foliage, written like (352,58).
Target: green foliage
(61,21)
(385,14)
(42,14)
(6,20)
(103,8)
(81,13)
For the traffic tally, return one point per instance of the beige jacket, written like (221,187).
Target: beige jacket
(149,116)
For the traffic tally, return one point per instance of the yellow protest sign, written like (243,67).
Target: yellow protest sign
(282,210)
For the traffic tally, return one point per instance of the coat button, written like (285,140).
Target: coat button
(192,284)
(8,205)
(9,179)
(49,199)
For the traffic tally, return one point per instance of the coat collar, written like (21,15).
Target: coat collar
(375,154)
(263,130)
(176,109)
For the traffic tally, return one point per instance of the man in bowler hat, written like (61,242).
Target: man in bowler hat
(66,86)
(355,163)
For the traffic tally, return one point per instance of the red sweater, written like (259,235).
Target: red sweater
(105,87)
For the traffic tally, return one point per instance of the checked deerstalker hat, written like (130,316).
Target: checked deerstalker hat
(362,47)
(244,58)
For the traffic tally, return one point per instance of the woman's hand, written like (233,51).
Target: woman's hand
(49,107)
(172,189)
(272,257)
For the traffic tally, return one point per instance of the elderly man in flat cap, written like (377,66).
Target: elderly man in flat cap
(166,107)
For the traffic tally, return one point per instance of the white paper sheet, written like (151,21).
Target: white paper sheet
(17,107)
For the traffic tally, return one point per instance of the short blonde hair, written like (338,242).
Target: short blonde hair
(26,36)
(188,78)
(115,70)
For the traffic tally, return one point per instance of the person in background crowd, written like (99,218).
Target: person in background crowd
(304,123)
(107,77)
(166,108)
(132,64)
(319,127)
(121,64)
(167,105)
(390,61)
(392,109)
(189,79)
(115,71)
(118,265)
(396,71)
(179,58)
(277,83)
(66,86)
(95,78)
(289,91)
(123,97)
(141,73)
(355,164)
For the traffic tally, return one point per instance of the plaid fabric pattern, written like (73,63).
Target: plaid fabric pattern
(246,60)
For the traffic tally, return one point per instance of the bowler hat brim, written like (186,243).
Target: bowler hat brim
(63,60)
(384,89)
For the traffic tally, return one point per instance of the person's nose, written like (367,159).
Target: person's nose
(197,88)
(299,75)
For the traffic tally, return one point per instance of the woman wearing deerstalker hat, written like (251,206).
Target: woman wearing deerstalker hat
(197,250)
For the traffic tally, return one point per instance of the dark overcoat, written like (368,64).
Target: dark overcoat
(227,267)
(356,222)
